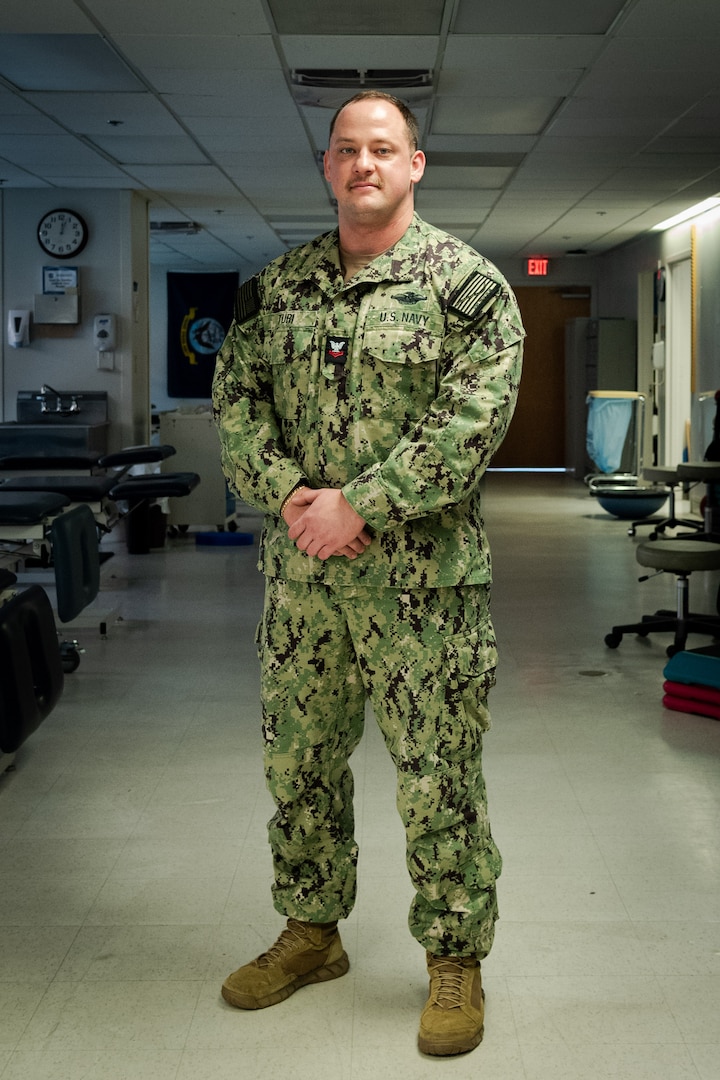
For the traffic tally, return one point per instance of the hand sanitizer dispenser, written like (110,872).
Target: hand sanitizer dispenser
(104,333)
(18,331)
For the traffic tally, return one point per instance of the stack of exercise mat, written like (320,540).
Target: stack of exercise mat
(692,682)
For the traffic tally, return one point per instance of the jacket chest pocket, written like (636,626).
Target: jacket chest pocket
(290,351)
(400,367)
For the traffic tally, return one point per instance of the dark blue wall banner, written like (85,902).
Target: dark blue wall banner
(200,310)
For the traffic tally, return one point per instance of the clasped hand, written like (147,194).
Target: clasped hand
(323,523)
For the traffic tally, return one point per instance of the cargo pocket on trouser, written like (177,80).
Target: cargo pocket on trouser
(452,858)
(470,663)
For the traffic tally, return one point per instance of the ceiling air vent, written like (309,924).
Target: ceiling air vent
(328,88)
(167,229)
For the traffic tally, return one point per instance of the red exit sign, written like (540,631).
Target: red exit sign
(538,267)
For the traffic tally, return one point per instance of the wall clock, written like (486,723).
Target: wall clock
(62,233)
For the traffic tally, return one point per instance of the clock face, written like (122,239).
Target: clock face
(62,233)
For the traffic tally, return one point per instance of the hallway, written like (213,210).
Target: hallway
(134,870)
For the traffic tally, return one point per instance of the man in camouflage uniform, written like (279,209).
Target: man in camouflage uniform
(365,383)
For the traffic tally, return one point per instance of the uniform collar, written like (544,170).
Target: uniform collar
(400,263)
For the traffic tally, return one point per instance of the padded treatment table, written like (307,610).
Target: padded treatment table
(25,526)
(78,489)
(25,516)
(29,462)
(31,672)
(136,455)
(93,491)
(97,490)
(140,492)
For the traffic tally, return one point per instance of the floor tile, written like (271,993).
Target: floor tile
(135,873)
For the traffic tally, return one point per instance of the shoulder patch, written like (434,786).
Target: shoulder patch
(474,295)
(247,301)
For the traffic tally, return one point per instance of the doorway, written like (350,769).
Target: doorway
(536,436)
(674,383)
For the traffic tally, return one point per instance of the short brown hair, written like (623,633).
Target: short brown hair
(409,117)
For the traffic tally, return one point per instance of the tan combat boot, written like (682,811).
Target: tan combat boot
(452,1020)
(304,953)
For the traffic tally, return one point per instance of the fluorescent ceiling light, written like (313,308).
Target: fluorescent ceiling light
(691,212)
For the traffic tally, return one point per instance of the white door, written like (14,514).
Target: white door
(677,398)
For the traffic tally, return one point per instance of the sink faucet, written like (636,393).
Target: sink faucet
(46,389)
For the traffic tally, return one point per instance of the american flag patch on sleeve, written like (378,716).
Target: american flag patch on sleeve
(474,296)
(247,301)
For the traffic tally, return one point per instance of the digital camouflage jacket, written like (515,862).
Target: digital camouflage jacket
(396,386)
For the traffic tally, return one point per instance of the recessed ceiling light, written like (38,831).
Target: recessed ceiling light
(685,215)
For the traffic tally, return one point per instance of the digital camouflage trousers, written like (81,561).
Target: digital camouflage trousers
(425,659)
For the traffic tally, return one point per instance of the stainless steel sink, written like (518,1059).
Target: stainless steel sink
(55,439)
(53,423)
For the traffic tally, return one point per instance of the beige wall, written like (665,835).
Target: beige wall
(113,278)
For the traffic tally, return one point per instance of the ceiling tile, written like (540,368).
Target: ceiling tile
(227,17)
(668,19)
(613,106)
(47,151)
(146,150)
(502,54)
(20,17)
(375,17)
(489,115)
(463,179)
(526,82)
(176,179)
(199,52)
(63,62)
(91,114)
(361,51)
(538,17)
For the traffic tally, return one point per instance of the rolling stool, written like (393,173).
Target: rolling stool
(671,479)
(679,557)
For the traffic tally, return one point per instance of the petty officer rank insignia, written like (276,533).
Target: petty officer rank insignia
(247,301)
(474,296)
(336,354)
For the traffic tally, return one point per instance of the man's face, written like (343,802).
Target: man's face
(370,163)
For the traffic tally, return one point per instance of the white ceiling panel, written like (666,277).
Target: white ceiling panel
(668,19)
(47,151)
(461,204)
(180,18)
(538,17)
(624,80)
(237,96)
(223,135)
(217,52)
(32,123)
(492,115)
(44,16)
(146,150)
(372,17)
(574,123)
(361,51)
(182,182)
(63,62)
(638,131)
(107,114)
(465,179)
(13,176)
(526,82)
(110,178)
(520,53)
